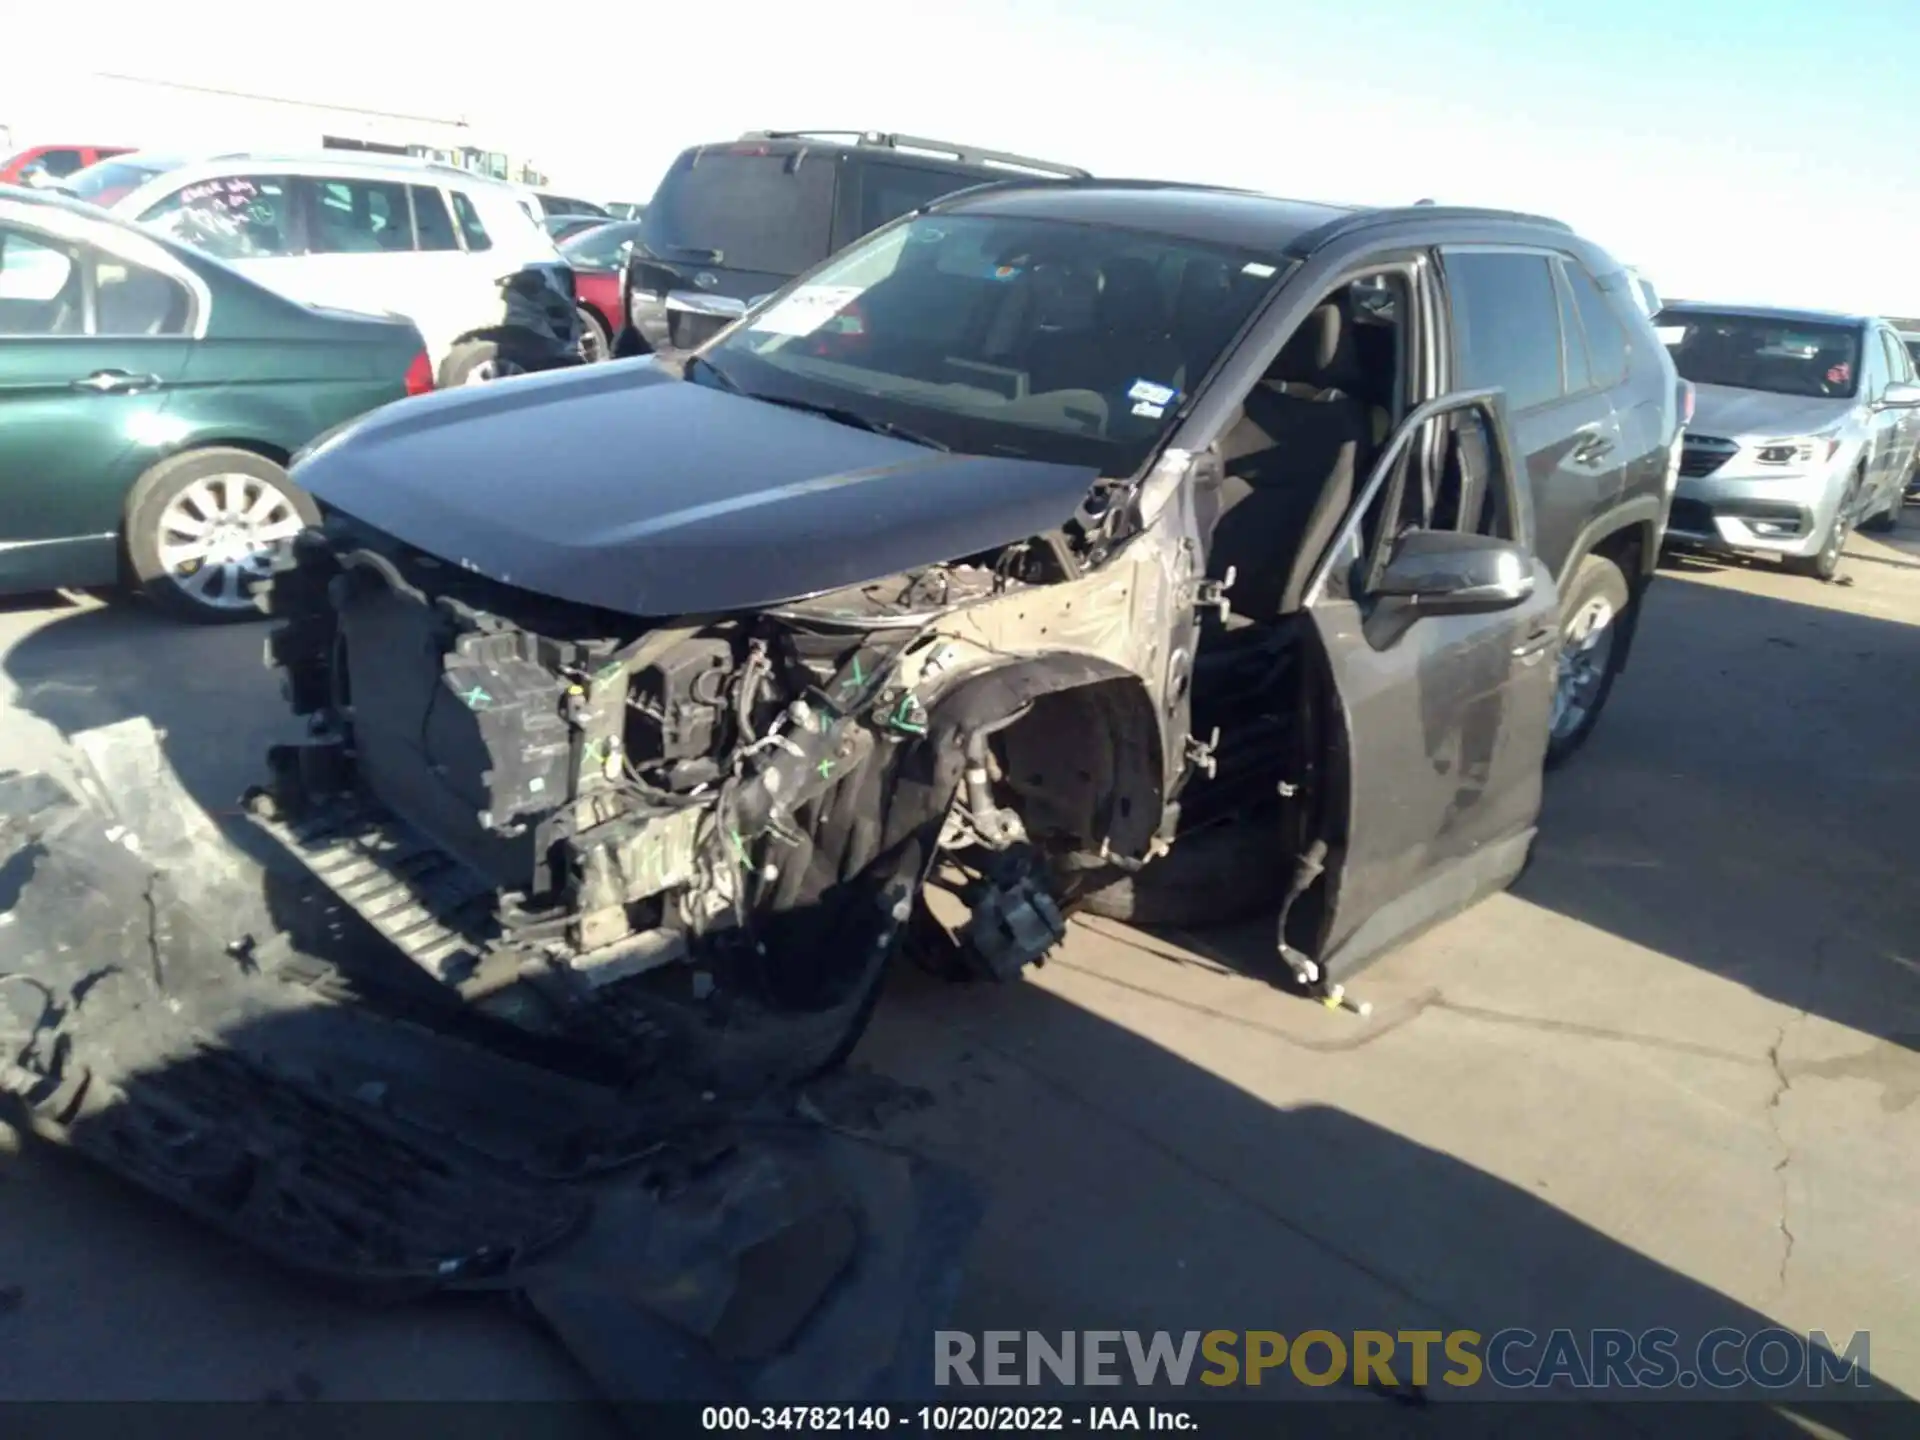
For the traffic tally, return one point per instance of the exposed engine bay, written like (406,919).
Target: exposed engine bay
(538,802)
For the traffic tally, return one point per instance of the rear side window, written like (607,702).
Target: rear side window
(471,229)
(766,212)
(1606,337)
(432,222)
(130,299)
(1506,325)
(231,217)
(889,191)
(360,217)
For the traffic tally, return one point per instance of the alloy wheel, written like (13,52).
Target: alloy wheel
(222,532)
(1586,654)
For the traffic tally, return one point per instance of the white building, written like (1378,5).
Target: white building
(152,114)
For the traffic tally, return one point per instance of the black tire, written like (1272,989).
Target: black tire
(1597,579)
(147,513)
(595,343)
(1216,876)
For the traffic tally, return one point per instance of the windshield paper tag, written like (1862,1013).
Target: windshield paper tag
(1149,409)
(1152,394)
(806,310)
(1257,270)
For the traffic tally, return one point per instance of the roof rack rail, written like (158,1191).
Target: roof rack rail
(919,144)
(1367,217)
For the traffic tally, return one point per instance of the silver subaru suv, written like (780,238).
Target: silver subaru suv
(1805,425)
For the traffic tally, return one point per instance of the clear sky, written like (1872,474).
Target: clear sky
(1758,151)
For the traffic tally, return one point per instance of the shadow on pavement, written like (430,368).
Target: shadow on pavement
(1746,806)
(1127,1188)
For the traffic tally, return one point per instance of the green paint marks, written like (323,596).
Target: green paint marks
(476,698)
(851,685)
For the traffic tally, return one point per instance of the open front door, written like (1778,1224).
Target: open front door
(1440,626)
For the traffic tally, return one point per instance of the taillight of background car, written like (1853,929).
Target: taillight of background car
(1686,403)
(420,374)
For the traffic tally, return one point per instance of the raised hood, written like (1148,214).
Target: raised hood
(1762,415)
(623,486)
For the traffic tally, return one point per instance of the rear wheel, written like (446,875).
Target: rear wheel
(595,344)
(1590,652)
(204,527)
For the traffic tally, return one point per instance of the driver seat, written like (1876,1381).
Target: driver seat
(1293,461)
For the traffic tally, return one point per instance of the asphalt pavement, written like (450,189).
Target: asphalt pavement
(1670,1079)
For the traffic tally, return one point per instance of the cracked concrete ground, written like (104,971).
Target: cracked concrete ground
(1669,1080)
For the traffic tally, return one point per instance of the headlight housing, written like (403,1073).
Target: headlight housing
(1801,450)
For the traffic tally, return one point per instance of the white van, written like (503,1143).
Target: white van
(374,233)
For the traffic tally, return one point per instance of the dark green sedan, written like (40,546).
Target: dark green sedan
(150,399)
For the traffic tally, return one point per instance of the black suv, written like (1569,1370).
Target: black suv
(1156,549)
(733,222)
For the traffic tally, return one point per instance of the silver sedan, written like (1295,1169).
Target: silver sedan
(1806,424)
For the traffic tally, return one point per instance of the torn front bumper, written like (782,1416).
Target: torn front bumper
(394,1150)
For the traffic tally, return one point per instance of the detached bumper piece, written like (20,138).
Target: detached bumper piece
(677,1253)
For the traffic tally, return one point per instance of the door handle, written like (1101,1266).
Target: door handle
(114,382)
(1538,643)
(1591,446)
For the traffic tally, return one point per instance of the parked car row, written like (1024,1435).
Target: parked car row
(151,398)
(460,255)
(1326,530)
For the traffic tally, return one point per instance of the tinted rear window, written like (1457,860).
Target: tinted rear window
(763,212)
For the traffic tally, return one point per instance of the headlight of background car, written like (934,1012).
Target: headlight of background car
(1802,451)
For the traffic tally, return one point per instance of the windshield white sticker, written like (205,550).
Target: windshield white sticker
(1256,269)
(1149,409)
(1152,393)
(806,309)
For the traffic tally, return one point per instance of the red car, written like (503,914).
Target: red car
(38,164)
(595,257)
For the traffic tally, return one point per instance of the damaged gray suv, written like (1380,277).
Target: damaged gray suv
(1161,550)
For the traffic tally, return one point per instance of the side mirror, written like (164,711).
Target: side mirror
(1446,573)
(1901,395)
